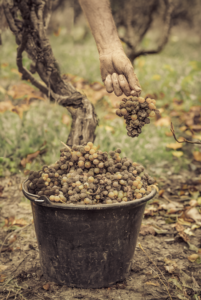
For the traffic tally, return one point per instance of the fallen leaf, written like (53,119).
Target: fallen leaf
(110,116)
(192,247)
(9,221)
(156,77)
(20,222)
(152,283)
(170,265)
(193,257)
(25,91)
(147,230)
(175,282)
(195,226)
(12,239)
(182,297)
(194,193)
(186,280)
(15,71)
(198,260)
(197,155)
(193,202)
(197,136)
(177,153)
(180,230)
(161,192)
(4,65)
(46,286)
(2,278)
(164,121)
(57,32)
(150,210)
(174,146)
(194,214)
(183,128)
(168,133)
(66,120)
(29,158)
(189,232)
(6,249)
(199,201)
(19,110)
(179,227)
(3,268)
(2,90)
(6,105)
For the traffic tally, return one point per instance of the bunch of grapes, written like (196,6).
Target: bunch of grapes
(86,175)
(136,111)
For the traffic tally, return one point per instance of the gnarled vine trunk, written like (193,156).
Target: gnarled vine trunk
(28,20)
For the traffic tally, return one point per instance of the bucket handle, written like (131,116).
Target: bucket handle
(36,199)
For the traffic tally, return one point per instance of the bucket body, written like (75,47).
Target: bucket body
(87,246)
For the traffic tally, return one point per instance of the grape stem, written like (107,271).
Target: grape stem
(97,191)
(66,146)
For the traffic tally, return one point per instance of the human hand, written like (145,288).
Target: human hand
(118,74)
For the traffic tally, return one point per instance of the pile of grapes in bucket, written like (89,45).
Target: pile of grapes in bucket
(85,175)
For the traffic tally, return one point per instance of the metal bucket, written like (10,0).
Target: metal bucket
(86,246)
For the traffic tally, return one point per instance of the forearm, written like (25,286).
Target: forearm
(102,25)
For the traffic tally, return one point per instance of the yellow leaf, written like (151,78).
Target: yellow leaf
(156,77)
(109,128)
(199,201)
(3,268)
(197,137)
(4,65)
(188,231)
(174,146)
(165,121)
(30,157)
(5,105)
(183,222)
(2,278)
(57,32)
(168,67)
(66,120)
(197,155)
(194,226)
(193,257)
(152,283)
(2,90)
(183,128)
(15,71)
(19,222)
(177,153)
(168,133)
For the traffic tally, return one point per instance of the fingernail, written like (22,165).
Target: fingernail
(132,92)
(115,76)
(137,88)
(121,77)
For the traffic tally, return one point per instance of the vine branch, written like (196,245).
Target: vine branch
(31,36)
(184,140)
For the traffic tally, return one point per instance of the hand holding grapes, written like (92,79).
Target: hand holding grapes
(118,74)
(116,69)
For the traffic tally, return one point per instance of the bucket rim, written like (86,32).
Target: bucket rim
(44,201)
